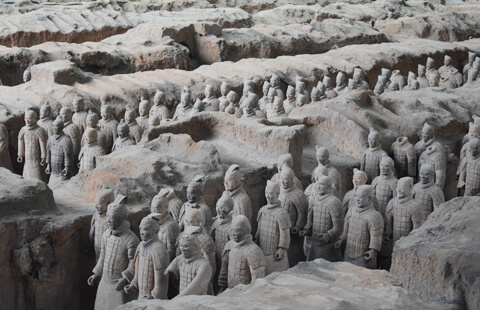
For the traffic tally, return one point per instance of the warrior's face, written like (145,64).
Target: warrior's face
(147,231)
(239,232)
(160,206)
(30,118)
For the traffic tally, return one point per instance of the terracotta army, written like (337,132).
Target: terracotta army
(325,222)
(316,95)
(294,201)
(323,159)
(174,203)
(195,201)
(432,74)
(159,107)
(386,73)
(405,158)
(411,78)
(108,125)
(275,83)
(5,160)
(311,191)
(249,109)
(254,98)
(301,89)
(471,59)
(151,261)
(60,156)
(242,261)
(329,91)
(79,117)
(233,104)
(321,91)
(430,151)
(191,267)
(46,119)
(269,108)
(99,222)
(372,156)
(197,108)
(385,184)
(282,160)
(233,184)
(168,175)
(341,82)
(144,113)
(273,231)
(135,130)
(470,169)
(247,88)
(359,178)
(428,195)
(422,79)
(221,227)
(290,103)
(92,122)
(278,110)
(211,102)
(90,152)
(264,100)
(301,100)
(363,231)
(123,137)
(169,229)
(32,146)
(225,88)
(71,130)
(115,267)
(450,77)
(397,79)
(359,77)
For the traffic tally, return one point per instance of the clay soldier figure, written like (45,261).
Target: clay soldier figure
(159,107)
(329,91)
(405,158)
(275,83)
(295,203)
(211,102)
(71,130)
(321,91)
(79,117)
(116,266)
(471,59)
(46,119)
(311,191)
(92,122)
(269,108)
(135,130)
(300,89)
(301,100)
(242,203)
(174,203)
(359,179)
(191,267)
(221,227)
(197,108)
(233,108)
(32,145)
(325,222)
(385,184)
(432,152)
(359,77)
(450,77)
(473,130)
(243,261)
(422,79)
(381,86)
(278,110)
(363,231)
(397,79)
(5,160)
(273,231)
(432,74)
(323,159)
(247,88)
(90,152)
(123,137)
(169,229)
(341,83)
(144,111)
(352,85)
(184,108)
(473,73)
(288,160)
(411,78)
(60,156)
(151,261)
(428,195)
(264,100)
(470,169)
(195,201)
(108,125)
(372,156)
(225,88)
(249,109)
(316,95)
(99,222)
(290,103)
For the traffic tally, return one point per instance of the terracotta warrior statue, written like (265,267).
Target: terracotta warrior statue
(469,66)
(363,231)
(405,157)
(288,160)
(99,222)
(159,107)
(247,89)
(426,193)
(249,109)
(184,107)
(473,131)
(197,108)
(46,119)
(225,88)
(381,86)
(372,156)
(79,117)
(221,227)
(195,201)
(115,267)
(352,85)
(359,179)
(273,231)
(329,91)
(264,100)
(278,110)
(411,78)
(321,91)
(323,159)
(450,77)
(316,95)
(385,184)
(134,128)
(211,102)
(421,78)
(301,89)
(359,77)
(191,267)
(341,82)
(169,229)
(32,146)
(275,83)
(430,151)
(71,130)
(470,169)
(90,152)
(108,125)
(5,160)
(290,103)
(242,261)
(325,222)
(60,156)
(398,79)
(92,122)
(151,261)
(144,111)
(269,107)
(174,203)
(432,74)
(242,203)
(233,108)
(293,200)
(123,137)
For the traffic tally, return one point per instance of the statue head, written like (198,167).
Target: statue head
(327,82)
(247,89)
(159,204)
(249,106)
(320,171)
(232,178)
(117,212)
(168,174)
(209,91)
(186,99)
(300,87)
(45,111)
(290,92)
(198,105)
(149,227)
(225,88)
(341,79)
(223,104)
(144,107)
(271,192)
(91,135)
(272,93)
(284,159)
(373,138)
(92,119)
(315,95)
(103,198)
(57,126)
(427,132)
(66,113)
(123,130)
(193,217)
(106,111)
(427,173)
(278,105)
(359,178)
(352,84)
(241,228)
(159,97)
(387,166)
(265,88)
(471,57)
(189,243)
(474,147)
(195,189)
(130,115)
(286,177)
(322,154)
(421,71)
(78,103)
(358,74)
(30,117)
(224,205)
(153,121)
(363,196)
(275,81)
(386,73)
(324,185)
(411,77)
(430,63)
(321,89)
(447,60)
(415,85)
(474,130)
(232,97)
(404,187)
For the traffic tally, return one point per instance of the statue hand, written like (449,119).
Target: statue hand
(369,255)
(386,239)
(149,297)
(338,244)
(78,165)
(19,159)
(47,170)
(93,279)
(65,171)
(128,288)
(42,162)
(280,253)
(295,230)
(121,284)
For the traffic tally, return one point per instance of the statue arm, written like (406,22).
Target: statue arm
(284,240)
(463,173)
(21,143)
(98,269)
(42,140)
(160,289)
(412,162)
(346,226)
(200,283)
(337,221)
(91,234)
(132,245)
(68,153)
(362,164)
(376,236)
(389,220)
(211,260)
(223,276)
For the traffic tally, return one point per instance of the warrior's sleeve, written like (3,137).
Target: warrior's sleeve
(256,262)
(21,143)
(49,155)
(68,152)
(132,245)
(389,219)
(412,161)
(346,226)
(284,224)
(463,173)
(437,197)
(98,269)
(375,227)
(362,164)
(223,276)
(302,208)
(336,215)
(42,139)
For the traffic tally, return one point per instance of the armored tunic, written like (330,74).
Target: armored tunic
(371,162)
(204,211)
(120,143)
(80,119)
(88,156)
(241,202)
(241,261)
(211,104)
(109,129)
(470,175)
(189,270)
(221,234)
(142,121)
(98,226)
(116,261)
(405,158)
(403,216)
(182,112)
(174,207)
(168,235)
(423,81)
(75,135)
(5,160)
(335,176)
(59,156)
(428,196)
(161,111)
(32,144)
(385,189)
(101,138)
(435,155)
(47,124)
(136,131)
(289,105)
